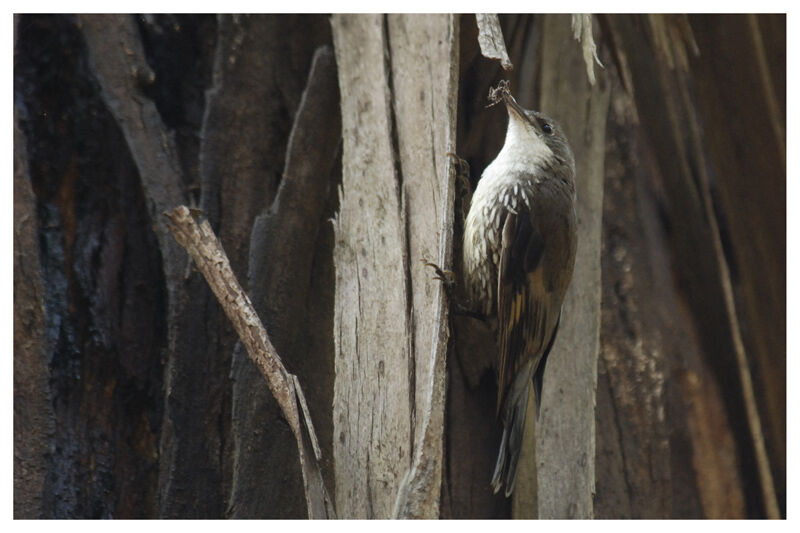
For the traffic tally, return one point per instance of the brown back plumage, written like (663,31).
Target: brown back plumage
(536,261)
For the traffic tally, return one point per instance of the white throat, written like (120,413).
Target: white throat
(523,152)
(523,148)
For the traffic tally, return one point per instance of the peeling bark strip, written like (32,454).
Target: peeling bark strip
(371,412)
(424,54)
(280,285)
(582,32)
(398,80)
(490,38)
(201,243)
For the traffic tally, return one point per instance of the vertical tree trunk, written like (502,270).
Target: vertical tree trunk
(397,82)
(259,75)
(33,413)
(745,141)
(709,404)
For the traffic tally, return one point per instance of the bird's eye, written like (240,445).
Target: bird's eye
(547,128)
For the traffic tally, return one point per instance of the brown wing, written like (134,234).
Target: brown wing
(524,300)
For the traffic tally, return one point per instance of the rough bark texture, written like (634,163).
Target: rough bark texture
(33,411)
(712,436)
(258,88)
(664,448)
(103,286)
(743,142)
(424,56)
(201,243)
(397,81)
(373,392)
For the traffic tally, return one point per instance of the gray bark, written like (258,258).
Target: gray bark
(424,55)
(372,405)
(490,38)
(397,82)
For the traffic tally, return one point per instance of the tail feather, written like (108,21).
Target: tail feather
(505,471)
(500,467)
(514,409)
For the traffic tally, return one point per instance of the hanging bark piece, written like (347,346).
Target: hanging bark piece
(582,32)
(490,38)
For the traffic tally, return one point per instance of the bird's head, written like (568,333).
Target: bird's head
(532,137)
(538,134)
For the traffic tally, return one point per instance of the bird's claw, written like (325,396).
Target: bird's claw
(445,276)
(448,279)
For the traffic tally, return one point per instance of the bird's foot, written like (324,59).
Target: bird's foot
(447,277)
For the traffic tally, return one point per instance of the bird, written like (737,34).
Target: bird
(518,257)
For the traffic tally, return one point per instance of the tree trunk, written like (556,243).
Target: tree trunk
(33,411)
(397,78)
